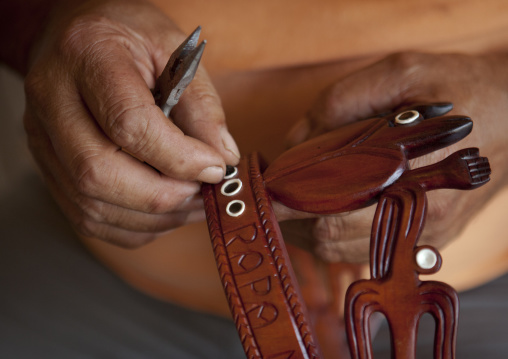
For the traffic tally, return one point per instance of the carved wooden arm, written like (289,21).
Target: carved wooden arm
(344,170)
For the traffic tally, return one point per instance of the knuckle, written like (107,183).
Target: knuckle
(207,99)
(156,206)
(127,129)
(407,65)
(199,109)
(86,227)
(323,114)
(404,60)
(160,203)
(92,209)
(327,117)
(406,77)
(328,229)
(88,218)
(91,176)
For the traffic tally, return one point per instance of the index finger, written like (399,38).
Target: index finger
(122,104)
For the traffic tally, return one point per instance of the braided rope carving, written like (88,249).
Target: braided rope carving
(280,257)
(247,338)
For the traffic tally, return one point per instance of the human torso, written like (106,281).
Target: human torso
(269,61)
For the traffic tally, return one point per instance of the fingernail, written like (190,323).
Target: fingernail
(299,132)
(212,174)
(229,143)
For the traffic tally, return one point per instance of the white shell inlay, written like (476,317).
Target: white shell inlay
(231,187)
(426,258)
(407,117)
(235,208)
(231,172)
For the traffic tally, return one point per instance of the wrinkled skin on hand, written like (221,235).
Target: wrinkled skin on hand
(117,167)
(476,85)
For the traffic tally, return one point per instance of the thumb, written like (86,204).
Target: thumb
(372,90)
(199,113)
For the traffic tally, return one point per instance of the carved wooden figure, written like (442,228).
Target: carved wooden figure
(396,262)
(344,170)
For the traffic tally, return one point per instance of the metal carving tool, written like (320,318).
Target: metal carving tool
(179,72)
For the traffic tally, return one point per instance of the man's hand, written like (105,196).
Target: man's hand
(476,85)
(119,169)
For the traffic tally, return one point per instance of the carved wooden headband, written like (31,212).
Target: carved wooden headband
(344,170)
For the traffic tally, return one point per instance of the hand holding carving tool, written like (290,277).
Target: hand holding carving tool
(179,72)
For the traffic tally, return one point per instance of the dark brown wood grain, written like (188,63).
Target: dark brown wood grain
(344,170)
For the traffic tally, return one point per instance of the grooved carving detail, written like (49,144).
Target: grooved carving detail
(322,176)
(226,275)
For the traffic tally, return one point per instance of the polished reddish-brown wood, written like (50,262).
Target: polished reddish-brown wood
(395,288)
(344,170)
(255,269)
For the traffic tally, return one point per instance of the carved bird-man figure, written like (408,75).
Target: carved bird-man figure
(368,162)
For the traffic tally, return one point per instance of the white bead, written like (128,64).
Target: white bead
(426,258)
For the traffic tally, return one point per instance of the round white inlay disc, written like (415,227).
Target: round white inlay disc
(426,258)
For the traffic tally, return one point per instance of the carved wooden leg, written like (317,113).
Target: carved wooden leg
(403,339)
(396,228)
(362,300)
(443,304)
